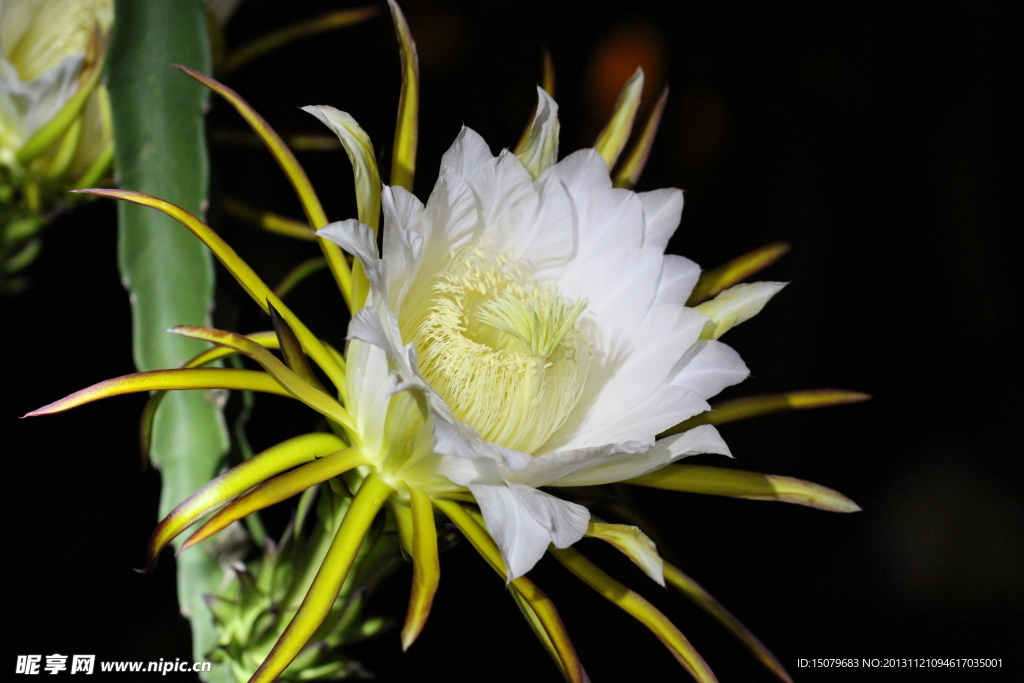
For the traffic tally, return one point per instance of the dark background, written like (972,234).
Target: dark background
(878,138)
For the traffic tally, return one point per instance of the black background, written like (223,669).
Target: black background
(878,138)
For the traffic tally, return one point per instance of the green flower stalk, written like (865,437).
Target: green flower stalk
(55,124)
(517,343)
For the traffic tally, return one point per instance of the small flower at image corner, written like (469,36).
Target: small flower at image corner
(55,121)
(518,338)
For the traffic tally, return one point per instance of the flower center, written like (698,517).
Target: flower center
(502,349)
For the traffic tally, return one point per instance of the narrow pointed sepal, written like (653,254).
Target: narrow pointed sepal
(268,220)
(403,159)
(426,566)
(613,138)
(297,275)
(719,481)
(691,589)
(634,544)
(295,173)
(719,279)
(296,385)
(236,481)
(291,349)
(158,380)
(239,269)
(638,608)
(630,169)
(267,339)
(284,157)
(327,584)
(303,29)
(766,404)
(537,607)
(279,488)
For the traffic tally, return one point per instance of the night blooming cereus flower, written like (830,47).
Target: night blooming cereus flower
(55,126)
(522,329)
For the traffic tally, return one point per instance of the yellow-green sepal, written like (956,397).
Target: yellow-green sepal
(165,380)
(403,159)
(640,609)
(634,544)
(360,152)
(716,280)
(262,466)
(295,173)
(325,587)
(612,139)
(279,488)
(736,305)
(634,163)
(240,270)
(538,609)
(720,481)
(693,590)
(255,49)
(766,404)
(541,149)
(288,378)
(426,566)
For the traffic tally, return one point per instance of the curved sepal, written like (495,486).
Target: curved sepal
(541,149)
(327,584)
(719,279)
(693,590)
(303,29)
(630,169)
(295,173)
(736,305)
(240,270)
(267,339)
(161,380)
(291,349)
(426,566)
(613,138)
(719,481)
(279,488)
(634,544)
(638,608)
(295,384)
(403,159)
(766,404)
(237,480)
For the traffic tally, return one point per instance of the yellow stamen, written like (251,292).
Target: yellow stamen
(501,348)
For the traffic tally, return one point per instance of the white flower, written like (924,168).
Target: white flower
(546,327)
(43,45)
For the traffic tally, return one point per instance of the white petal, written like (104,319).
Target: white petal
(708,367)
(662,211)
(523,521)
(678,277)
(736,305)
(702,439)
(357,239)
(368,379)
(541,470)
(467,153)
